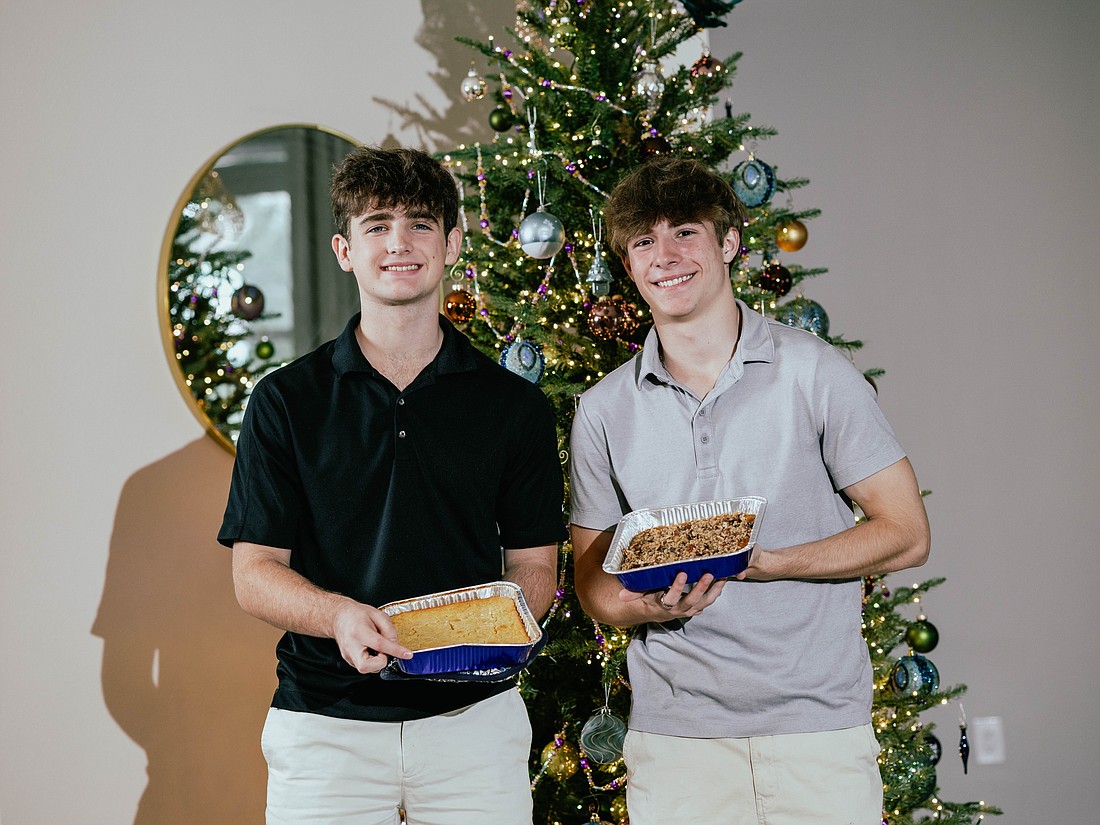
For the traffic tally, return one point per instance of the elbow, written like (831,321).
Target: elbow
(916,549)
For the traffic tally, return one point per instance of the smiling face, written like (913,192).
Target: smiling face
(398,256)
(681,270)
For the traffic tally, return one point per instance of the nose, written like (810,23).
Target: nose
(397,241)
(665,252)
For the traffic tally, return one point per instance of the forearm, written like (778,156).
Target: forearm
(893,536)
(270,590)
(535,571)
(598,593)
(872,547)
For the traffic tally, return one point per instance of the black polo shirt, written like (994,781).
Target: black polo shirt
(382,494)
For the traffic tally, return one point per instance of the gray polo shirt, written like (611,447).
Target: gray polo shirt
(791,419)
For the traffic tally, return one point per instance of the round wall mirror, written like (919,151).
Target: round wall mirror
(247,278)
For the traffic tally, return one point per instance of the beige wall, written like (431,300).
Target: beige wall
(950,145)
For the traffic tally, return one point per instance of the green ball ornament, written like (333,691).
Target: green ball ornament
(501,119)
(922,636)
(597,158)
(265,349)
(602,737)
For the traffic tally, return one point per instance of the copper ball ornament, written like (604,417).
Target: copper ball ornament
(603,319)
(791,236)
(705,66)
(655,145)
(775,278)
(247,303)
(627,323)
(459,305)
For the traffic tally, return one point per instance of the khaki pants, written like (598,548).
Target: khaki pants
(466,767)
(826,778)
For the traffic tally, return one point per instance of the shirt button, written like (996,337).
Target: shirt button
(705,439)
(401,402)
(702,412)
(401,434)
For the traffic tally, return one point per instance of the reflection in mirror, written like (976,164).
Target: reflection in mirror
(247,280)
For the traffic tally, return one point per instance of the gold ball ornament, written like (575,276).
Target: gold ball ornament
(562,761)
(459,306)
(791,236)
(618,807)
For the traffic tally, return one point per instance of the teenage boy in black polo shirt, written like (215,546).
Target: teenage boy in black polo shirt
(393,462)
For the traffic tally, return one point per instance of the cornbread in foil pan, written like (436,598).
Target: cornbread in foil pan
(469,629)
(721,565)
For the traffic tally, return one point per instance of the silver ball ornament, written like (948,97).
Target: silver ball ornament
(473,85)
(541,235)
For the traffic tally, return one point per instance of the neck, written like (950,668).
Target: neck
(399,341)
(695,353)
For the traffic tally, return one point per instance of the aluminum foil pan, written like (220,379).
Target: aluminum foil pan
(660,576)
(466,657)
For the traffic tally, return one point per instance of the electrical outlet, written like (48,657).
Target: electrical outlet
(988,735)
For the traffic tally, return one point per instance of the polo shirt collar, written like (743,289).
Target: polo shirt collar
(455,355)
(756,344)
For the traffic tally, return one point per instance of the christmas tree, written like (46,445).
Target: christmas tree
(584,91)
(210,307)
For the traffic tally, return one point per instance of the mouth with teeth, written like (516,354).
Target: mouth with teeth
(401,268)
(675,281)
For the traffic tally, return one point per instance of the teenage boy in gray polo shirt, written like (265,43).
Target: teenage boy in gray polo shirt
(751,698)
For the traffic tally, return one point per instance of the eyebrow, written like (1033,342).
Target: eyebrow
(389,216)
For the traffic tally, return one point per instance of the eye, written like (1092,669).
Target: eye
(642,242)
(422,226)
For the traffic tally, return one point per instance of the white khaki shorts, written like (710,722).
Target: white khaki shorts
(826,778)
(466,767)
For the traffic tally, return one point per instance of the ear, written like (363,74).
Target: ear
(341,248)
(454,246)
(731,245)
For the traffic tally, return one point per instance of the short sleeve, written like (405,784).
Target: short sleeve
(529,506)
(593,501)
(856,439)
(265,495)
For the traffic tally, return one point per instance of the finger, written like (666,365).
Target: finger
(383,624)
(392,648)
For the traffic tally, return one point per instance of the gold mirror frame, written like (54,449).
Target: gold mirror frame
(208,214)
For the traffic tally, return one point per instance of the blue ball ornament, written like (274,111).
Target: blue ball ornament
(524,358)
(915,675)
(804,314)
(753,182)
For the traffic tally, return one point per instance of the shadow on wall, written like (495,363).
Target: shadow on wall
(186,673)
(444,20)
